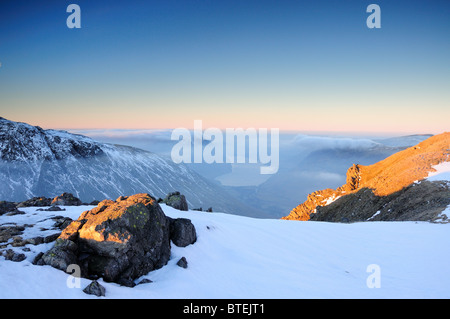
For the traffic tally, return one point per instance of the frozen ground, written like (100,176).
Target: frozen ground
(241,257)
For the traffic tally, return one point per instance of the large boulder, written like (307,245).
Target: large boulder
(176,200)
(66,199)
(118,240)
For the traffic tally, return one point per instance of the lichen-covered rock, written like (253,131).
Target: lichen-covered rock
(63,254)
(176,200)
(118,240)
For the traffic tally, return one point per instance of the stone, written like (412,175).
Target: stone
(51,209)
(15,212)
(66,199)
(61,222)
(18,241)
(182,232)
(36,202)
(94,288)
(120,240)
(63,254)
(35,240)
(176,200)
(6,207)
(13,256)
(38,259)
(52,237)
(117,240)
(182,262)
(8,232)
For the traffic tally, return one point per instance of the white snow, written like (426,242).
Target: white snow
(377,213)
(331,199)
(441,173)
(241,257)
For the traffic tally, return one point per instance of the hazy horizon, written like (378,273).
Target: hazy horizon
(116,132)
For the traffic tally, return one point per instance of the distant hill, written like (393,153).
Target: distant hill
(391,189)
(38,162)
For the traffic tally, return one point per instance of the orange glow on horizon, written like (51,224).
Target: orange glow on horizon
(314,119)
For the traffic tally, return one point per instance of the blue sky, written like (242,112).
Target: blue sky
(295,65)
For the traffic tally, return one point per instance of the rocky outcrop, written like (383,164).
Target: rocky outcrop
(353,178)
(422,201)
(65,199)
(21,142)
(36,202)
(120,240)
(318,198)
(388,186)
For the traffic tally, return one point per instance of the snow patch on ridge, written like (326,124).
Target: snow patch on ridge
(441,173)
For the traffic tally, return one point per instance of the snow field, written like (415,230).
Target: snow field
(241,257)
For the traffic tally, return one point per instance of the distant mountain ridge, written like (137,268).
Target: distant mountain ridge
(21,142)
(38,162)
(386,189)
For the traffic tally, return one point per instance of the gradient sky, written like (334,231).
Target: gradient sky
(293,65)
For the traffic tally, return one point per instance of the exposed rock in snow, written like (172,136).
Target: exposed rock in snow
(120,241)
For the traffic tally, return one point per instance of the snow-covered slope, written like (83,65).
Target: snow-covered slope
(441,173)
(37,162)
(241,257)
